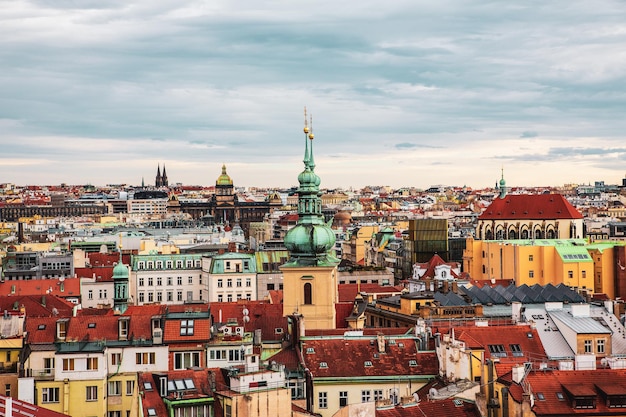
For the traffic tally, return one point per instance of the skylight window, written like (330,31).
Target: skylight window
(91,325)
(189,383)
(412,362)
(180,385)
(540,396)
(368,363)
(41,327)
(147,386)
(152,412)
(560,396)
(310,350)
(323,365)
(186,327)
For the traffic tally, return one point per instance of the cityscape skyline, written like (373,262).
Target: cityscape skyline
(402,94)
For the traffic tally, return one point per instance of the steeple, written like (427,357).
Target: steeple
(311,240)
(157,181)
(120,286)
(502,185)
(164,182)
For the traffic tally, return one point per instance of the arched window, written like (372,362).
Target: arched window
(538,234)
(308,293)
(550,234)
(524,234)
(512,234)
(488,235)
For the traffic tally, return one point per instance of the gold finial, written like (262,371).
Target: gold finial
(306,127)
(311,135)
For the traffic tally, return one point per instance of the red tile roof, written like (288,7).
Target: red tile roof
(434,262)
(347,358)
(100,273)
(583,383)
(36,305)
(46,286)
(263,315)
(24,409)
(530,207)
(275,296)
(442,408)
(347,292)
(287,357)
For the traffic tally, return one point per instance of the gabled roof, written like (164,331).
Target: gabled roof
(24,409)
(530,207)
(434,262)
(263,315)
(36,305)
(360,358)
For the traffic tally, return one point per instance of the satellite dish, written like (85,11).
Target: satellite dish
(61,279)
(245,311)
(246,319)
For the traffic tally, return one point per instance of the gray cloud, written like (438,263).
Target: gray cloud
(192,81)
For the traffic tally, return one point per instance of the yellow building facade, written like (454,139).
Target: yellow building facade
(530,262)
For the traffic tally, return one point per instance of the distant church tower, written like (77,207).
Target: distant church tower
(310,275)
(120,286)
(161,180)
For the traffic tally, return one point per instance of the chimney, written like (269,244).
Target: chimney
(380,337)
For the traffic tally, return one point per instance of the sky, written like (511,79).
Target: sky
(401,93)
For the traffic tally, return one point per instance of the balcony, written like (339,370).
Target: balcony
(38,374)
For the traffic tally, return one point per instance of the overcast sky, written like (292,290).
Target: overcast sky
(402,93)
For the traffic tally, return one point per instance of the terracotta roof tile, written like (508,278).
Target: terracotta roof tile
(530,206)
(360,358)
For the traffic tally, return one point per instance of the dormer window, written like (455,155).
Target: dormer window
(123,325)
(368,364)
(62,329)
(186,327)
(323,365)
(310,350)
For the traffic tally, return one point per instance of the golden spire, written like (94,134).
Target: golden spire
(311,135)
(306,127)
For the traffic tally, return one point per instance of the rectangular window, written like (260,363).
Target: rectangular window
(169,280)
(322,399)
(220,298)
(343,398)
(229,283)
(600,345)
(220,283)
(115,388)
(141,297)
(150,282)
(584,274)
(91,393)
(159,296)
(68,364)
(184,360)
(229,298)
(588,344)
(238,282)
(516,350)
(130,387)
(531,274)
(530,258)
(179,280)
(248,282)
(92,364)
(114,414)
(145,358)
(90,294)
(366,396)
(116,358)
(570,274)
(378,394)
(150,297)
(497,350)
(49,395)
(170,296)
(7,390)
(159,281)
(48,365)
(189,280)
(141,281)
(179,295)
(235,355)
(186,327)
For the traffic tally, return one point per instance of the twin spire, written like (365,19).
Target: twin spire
(309,161)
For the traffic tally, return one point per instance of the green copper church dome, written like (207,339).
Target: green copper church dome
(120,271)
(311,241)
(224,179)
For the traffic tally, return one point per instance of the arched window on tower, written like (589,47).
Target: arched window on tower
(308,293)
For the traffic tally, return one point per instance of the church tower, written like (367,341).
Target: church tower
(157,181)
(164,182)
(120,286)
(310,275)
